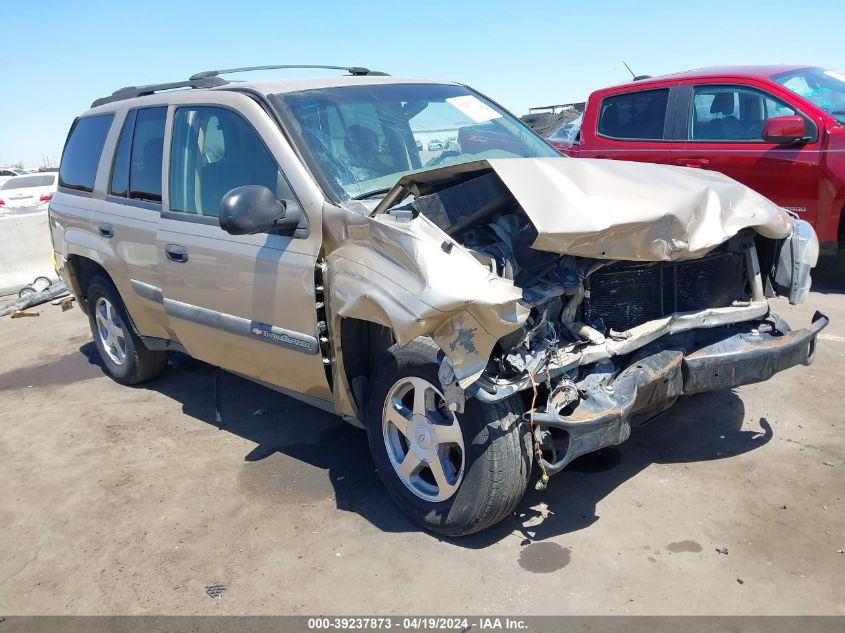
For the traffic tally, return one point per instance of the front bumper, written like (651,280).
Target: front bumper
(660,373)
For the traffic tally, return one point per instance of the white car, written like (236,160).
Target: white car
(29,193)
(10,172)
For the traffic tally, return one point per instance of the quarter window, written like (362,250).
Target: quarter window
(82,152)
(635,115)
(732,113)
(214,150)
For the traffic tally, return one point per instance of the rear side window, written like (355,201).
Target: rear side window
(147,152)
(82,152)
(213,151)
(136,170)
(634,115)
(120,169)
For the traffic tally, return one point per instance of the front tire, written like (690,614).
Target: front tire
(452,473)
(124,356)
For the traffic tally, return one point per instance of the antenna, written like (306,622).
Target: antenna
(636,77)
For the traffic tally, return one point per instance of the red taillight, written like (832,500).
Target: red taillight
(45,197)
(2,203)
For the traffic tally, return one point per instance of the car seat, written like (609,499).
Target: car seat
(727,126)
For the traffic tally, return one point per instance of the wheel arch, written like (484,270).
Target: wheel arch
(81,270)
(362,343)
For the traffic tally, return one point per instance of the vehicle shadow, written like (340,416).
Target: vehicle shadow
(827,278)
(293,435)
(704,427)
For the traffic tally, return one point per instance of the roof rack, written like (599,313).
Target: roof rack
(357,71)
(211,78)
(129,92)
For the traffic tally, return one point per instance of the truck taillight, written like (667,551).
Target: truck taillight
(45,197)
(2,203)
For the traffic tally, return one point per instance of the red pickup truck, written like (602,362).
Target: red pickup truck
(777,129)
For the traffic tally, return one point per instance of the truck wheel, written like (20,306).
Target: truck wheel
(452,473)
(124,356)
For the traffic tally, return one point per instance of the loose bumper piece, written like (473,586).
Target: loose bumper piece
(657,377)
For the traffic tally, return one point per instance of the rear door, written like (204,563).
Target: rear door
(125,222)
(637,125)
(245,303)
(723,125)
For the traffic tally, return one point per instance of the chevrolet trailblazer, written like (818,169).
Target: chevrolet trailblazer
(484,312)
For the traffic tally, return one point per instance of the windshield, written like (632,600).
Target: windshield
(363,139)
(24,182)
(823,88)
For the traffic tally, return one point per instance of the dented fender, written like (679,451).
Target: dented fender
(414,279)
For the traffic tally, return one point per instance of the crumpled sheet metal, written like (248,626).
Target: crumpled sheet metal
(399,274)
(611,209)
(608,209)
(396,274)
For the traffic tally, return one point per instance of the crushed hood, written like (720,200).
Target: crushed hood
(609,209)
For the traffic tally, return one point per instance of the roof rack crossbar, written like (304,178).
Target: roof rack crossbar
(211,78)
(130,92)
(352,70)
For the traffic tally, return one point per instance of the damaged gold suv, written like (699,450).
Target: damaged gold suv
(408,255)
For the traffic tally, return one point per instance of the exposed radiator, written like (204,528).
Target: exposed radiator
(626,294)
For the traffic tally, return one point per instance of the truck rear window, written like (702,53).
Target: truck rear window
(634,116)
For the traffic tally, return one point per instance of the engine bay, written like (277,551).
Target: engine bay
(573,301)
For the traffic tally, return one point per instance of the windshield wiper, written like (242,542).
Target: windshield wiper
(372,194)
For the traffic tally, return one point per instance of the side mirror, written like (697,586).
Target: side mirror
(254,209)
(785,129)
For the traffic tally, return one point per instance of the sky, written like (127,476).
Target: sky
(60,56)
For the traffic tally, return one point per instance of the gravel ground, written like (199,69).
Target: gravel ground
(118,500)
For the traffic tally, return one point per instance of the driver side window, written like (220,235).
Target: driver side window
(213,151)
(732,113)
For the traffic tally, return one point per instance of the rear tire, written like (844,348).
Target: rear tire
(124,356)
(484,452)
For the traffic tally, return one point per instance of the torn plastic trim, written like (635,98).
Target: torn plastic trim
(652,382)
(797,256)
(571,356)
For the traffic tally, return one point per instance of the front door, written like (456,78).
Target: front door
(724,133)
(244,303)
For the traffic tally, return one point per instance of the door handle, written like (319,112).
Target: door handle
(176,253)
(106,230)
(693,162)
